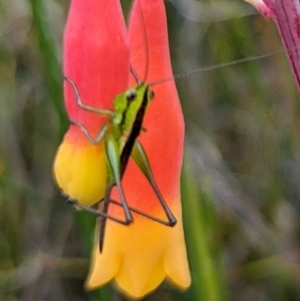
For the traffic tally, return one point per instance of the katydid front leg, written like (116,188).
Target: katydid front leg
(85,131)
(86,107)
(92,109)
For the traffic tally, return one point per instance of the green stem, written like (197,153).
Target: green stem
(205,281)
(50,59)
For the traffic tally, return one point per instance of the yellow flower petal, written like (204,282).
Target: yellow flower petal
(140,256)
(80,171)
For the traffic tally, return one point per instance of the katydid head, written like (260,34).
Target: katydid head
(129,103)
(140,91)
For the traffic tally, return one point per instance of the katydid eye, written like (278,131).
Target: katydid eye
(130,95)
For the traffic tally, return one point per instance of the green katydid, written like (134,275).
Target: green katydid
(119,135)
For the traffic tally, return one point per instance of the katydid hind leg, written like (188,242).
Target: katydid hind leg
(144,214)
(141,159)
(98,213)
(93,211)
(104,219)
(113,157)
(103,215)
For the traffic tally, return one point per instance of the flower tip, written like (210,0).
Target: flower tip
(262,7)
(176,264)
(139,268)
(182,280)
(133,294)
(97,278)
(182,283)
(137,291)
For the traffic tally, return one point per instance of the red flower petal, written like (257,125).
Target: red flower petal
(96,57)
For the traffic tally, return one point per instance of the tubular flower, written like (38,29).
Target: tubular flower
(96,59)
(140,256)
(286,15)
(262,7)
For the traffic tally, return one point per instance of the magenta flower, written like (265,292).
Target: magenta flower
(286,14)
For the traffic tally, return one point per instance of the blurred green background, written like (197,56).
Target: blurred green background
(240,183)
